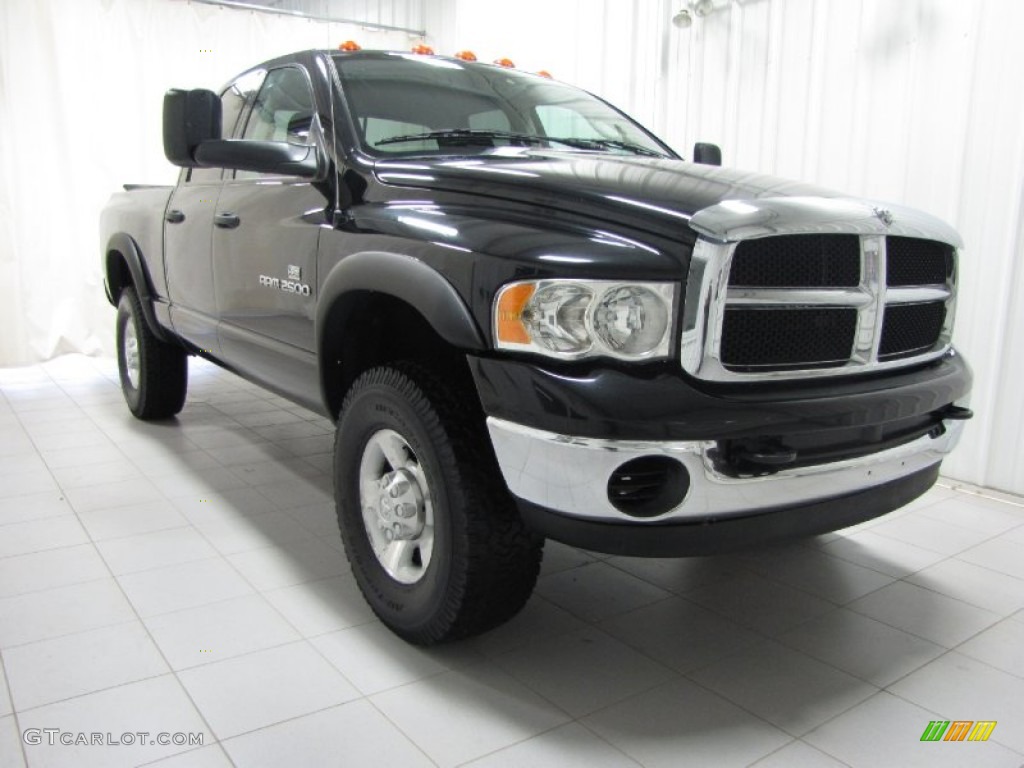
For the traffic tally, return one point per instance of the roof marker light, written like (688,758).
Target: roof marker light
(505,63)
(466,55)
(423,50)
(350,45)
(545,73)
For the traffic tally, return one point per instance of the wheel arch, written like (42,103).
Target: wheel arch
(124,266)
(379,306)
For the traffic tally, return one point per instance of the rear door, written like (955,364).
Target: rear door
(265,236)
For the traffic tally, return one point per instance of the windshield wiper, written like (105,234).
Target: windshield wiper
(467,135)
(582,143)
(474,135)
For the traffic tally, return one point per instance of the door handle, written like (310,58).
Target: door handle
(174,217)
(226,220)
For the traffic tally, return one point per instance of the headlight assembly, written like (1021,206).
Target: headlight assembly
(572,319)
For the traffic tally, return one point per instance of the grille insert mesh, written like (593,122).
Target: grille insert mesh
(912,261)
(911,329)
(777,339)
(797,261)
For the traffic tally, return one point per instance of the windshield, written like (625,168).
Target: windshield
(407,104)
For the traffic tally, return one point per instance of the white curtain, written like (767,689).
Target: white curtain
(81,89)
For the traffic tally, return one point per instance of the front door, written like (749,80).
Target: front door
(265,235)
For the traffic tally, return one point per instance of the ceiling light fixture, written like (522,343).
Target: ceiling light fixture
(683,19)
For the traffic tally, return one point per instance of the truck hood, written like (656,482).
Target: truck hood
(648,192)
(670,197)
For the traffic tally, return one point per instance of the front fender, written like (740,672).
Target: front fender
(409,280)
(405,279)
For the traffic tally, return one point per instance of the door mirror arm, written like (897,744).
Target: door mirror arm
(277,157)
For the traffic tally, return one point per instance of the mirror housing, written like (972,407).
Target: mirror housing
(192,139)
(190,118)
(707,154)
(277,157)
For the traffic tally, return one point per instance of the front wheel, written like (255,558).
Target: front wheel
(434,539)
(154,374)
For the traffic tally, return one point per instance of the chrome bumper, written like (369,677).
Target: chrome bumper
(570,474)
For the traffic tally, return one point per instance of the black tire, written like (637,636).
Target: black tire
(483,562)
(161,374)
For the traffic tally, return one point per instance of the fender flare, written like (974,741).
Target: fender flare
(125,245)
(408,279)
(401,277)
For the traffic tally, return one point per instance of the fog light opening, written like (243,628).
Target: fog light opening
(648,486)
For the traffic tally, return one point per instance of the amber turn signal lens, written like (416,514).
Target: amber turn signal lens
(466,55)
(350,45)
(505,63)
(509,321)
(425,50)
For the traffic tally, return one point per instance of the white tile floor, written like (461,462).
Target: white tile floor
(187,577)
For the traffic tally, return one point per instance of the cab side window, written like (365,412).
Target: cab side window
(234,100)
(283,110)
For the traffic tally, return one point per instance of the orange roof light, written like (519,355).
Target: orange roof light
(545,73)
(466,55)
(350,45)
(505,63)
(424,50)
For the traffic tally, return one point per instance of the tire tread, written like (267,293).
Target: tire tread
(163,369)
(502,556)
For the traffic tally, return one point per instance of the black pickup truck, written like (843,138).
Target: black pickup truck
(530,318)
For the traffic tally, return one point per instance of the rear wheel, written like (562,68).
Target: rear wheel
(154,374)
(434,539)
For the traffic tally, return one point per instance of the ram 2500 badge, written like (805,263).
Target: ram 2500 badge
(530,318)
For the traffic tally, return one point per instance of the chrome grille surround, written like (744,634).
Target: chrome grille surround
(723,226)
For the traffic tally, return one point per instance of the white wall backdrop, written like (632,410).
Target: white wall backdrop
(81,90)
(393,13)
(916,101)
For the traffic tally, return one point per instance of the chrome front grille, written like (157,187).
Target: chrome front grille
(817,304)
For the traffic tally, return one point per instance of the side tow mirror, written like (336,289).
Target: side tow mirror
(707,154)
(190,118)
